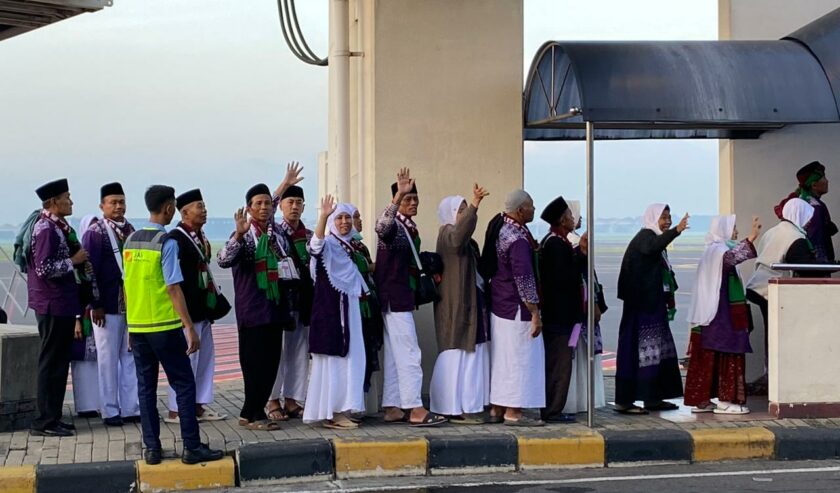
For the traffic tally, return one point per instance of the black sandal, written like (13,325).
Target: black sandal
(401,421)
(663,406)
(296,413)
(430,419)
(633,410)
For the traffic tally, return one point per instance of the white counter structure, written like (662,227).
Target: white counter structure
(804,348)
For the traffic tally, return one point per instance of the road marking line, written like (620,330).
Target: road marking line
(538,482)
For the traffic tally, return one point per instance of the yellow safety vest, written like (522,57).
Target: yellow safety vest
(148,307)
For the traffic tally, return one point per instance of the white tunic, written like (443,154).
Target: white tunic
(336,384)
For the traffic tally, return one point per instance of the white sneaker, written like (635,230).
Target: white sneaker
(730,408)
(708,408)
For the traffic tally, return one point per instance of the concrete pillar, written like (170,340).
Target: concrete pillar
(438,88)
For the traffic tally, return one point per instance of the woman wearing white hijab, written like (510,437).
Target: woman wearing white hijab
(719,322)
(83,366)
(786,242)
(647,366)
(460,385)
(574,237)
(336,381)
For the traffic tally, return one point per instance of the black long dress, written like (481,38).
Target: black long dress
(647,364)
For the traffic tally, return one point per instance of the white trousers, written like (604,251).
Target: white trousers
(203,364)
(85,386)
(461,381)
(293,371)
(576,400)
(117,376)
(402,372)
(517,364)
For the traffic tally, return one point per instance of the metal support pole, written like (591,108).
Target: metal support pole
(339,100)
(590,269)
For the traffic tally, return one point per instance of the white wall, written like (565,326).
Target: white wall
(756,174)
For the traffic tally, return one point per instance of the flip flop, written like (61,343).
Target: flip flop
(277,415)
(263,425)
(495,420)
(209,415)
(524,421)
(430,419)
(632,410)
(346,425)
(405,419)
(663,406)
(296,413)
(466,420)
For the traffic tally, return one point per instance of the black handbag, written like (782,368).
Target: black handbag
(427,290)
(221,309)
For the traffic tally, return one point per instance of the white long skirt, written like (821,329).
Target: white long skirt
(461,381)
(517,364)
(336,384)
(576,399)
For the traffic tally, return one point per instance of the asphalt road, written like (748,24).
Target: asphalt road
(765,476)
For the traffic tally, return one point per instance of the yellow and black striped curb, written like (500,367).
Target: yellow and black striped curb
(308,460)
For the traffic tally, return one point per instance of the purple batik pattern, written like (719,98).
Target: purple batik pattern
(57,264)
(655,342)
(513,248)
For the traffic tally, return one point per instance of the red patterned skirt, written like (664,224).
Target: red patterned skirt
(714,374)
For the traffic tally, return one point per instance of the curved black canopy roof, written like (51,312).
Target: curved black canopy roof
(714,89)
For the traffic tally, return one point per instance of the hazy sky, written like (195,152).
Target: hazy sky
(205,93)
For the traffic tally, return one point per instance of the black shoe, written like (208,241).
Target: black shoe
(131,419)
(51,432)
(201,454)
(113,421)
(153,456)
(88,414)
(65,426)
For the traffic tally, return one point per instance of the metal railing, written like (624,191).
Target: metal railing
(8,290)
(807,267)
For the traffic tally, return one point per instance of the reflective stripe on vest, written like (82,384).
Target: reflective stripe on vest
(148,306)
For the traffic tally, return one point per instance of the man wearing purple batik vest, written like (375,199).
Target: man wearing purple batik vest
(55,297)
(117,375)
(396,276)
(517,355)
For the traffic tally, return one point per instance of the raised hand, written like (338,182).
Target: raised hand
(327,206)
(241,221)
(293,171)
(404,182)
(756,229)
(683,225)
(478,194)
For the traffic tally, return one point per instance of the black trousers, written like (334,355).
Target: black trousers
(53,365)
(168,349)
(558,372)
(259,357)
(761,303)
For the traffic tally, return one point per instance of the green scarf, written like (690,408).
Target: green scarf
(414,273)
(671,283)
(265,262)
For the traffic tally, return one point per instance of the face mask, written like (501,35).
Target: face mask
(730,244)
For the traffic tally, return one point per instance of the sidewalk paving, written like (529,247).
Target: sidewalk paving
(94,442)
